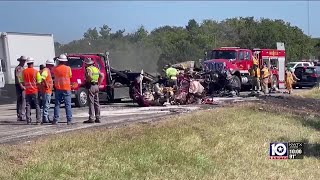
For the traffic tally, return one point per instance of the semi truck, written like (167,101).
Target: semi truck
(114,81)
(15,44)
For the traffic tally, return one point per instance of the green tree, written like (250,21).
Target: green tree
(91,34)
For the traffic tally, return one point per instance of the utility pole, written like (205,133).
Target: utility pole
(308,11)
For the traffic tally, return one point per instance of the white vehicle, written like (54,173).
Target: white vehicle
(299,64)
(14,45)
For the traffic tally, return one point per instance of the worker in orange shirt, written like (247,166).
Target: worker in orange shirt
(46,89)
(29,81)
(62,74)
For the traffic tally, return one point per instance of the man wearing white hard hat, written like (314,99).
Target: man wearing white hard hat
(31,79)
(46,89)
(20,92)
(62,85)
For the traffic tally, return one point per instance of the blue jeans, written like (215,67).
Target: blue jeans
(59,96)
(46,99)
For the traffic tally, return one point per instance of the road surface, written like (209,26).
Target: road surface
(113,114)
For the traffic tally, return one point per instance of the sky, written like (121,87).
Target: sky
(68,20)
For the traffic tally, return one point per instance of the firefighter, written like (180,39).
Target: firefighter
(290,79)
(20,91)
(93,80)
(255,74)
(30,80)
(265,75)
(46,89)
(172,74)
(62,74)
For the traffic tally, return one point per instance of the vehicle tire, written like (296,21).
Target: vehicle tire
(275,80)
(236,82)
(110,94)
(81,98)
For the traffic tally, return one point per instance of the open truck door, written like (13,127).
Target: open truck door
(2,79)
(281,64)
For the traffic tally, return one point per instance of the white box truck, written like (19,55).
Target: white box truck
(13,45)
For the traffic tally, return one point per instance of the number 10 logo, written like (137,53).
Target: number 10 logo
(278,150)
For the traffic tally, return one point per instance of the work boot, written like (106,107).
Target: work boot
(20,119)
(97,121)
(54,122)
(70,123)
(88,121)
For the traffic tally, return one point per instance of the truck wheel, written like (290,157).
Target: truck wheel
(275,81)
(81,98)
(237,84)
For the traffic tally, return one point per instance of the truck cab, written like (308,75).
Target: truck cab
(79,92)
(235,59)
(240,61)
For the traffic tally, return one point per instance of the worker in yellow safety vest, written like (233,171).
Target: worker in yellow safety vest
(265,75)
(171,74)
(255,60)
(255,74)
(93,80)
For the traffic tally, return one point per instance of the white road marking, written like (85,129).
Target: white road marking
(139,111)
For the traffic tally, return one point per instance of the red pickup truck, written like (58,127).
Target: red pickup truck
(113,78)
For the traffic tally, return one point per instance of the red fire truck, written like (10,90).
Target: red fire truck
(239,61)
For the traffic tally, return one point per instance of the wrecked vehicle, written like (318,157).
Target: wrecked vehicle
(219,81)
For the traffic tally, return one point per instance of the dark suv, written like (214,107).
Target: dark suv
(309,76)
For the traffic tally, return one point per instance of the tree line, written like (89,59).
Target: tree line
(172,44)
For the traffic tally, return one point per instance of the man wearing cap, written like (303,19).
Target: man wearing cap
(20,92)
(62,74)
(30,80)
(46,89)
(93,79)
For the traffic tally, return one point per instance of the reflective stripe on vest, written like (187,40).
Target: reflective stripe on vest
(62,78)
(95,73)
(30,80)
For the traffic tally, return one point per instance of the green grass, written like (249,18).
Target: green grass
(313,93)
(230,143)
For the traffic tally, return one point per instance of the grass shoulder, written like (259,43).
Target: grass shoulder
(224,143)
(312,93)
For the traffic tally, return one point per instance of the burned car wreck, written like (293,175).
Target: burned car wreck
(194,85)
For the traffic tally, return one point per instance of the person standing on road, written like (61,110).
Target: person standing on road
(93,80)
(62,74)
(291,78)
(255,74)
(46,90)
(30,81)
(265,75)
(20,92)
(172,73)
(41,67)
